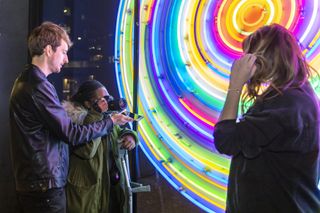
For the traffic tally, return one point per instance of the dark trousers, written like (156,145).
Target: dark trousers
(50,201)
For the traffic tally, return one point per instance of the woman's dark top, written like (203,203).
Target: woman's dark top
(275,154)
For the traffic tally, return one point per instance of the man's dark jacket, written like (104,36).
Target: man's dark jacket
(41,132)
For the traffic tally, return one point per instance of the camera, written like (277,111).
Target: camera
(117,104)
(135,116)
(114,105)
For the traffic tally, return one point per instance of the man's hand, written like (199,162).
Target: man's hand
(120,119)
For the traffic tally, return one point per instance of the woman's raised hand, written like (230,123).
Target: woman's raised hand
(241,71)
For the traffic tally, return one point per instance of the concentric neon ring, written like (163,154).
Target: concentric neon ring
(186,51)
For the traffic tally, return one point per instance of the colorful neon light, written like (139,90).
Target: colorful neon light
(186,51)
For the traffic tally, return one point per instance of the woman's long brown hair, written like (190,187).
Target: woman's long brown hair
(280,63)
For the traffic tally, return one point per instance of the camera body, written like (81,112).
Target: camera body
(117,104)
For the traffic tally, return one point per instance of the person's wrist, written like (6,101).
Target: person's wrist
(112,119)
(234,88)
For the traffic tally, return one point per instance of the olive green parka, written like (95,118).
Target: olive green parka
(88,187)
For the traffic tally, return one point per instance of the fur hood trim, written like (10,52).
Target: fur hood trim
(77,113)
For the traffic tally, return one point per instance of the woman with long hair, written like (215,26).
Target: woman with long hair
(274,146)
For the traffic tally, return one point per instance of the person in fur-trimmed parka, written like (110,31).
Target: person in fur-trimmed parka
(96,181)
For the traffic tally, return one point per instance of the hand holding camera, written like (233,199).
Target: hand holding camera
(134,116)
(120,119)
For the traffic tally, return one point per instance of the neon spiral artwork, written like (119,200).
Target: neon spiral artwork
(186,49)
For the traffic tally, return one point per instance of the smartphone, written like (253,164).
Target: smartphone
(135,116)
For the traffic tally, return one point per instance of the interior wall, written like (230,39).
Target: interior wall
(13,57)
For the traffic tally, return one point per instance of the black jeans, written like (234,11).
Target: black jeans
(50,201)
